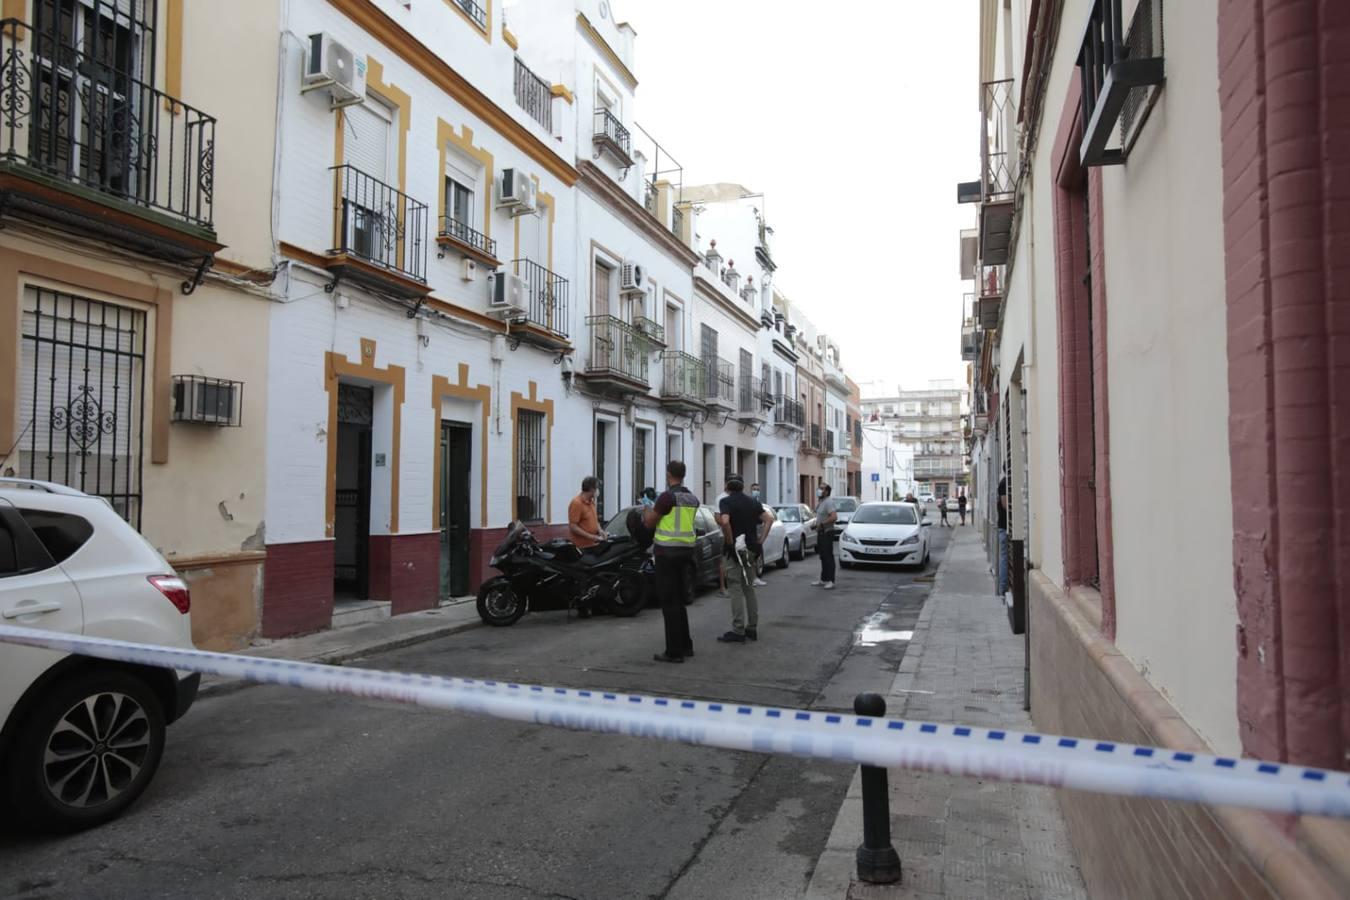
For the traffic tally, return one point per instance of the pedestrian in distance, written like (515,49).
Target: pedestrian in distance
(942,513)
(583,524)
(672,517)
(743,519)
(827,513)
(961,506)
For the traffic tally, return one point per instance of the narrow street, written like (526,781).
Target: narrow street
(270,792)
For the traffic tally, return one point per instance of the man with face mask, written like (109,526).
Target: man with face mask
(827,513)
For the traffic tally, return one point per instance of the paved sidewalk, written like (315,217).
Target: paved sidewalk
(958,837)
(339,645)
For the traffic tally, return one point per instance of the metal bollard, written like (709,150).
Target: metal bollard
(878,863)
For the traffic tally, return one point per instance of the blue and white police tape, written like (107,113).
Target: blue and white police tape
(1050,760)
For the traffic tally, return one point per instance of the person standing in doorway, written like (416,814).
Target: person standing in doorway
(741,518)
(827,513)
(672,517)
(1002,537)
(961,506)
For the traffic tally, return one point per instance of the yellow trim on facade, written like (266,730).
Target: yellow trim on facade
(401,99)
(607,51)
(509,38)
(561,90)
(532,403)
(375,22)
(173,54)
(440,389)
(484,31)
(335,366)
(15,9)
(463,142)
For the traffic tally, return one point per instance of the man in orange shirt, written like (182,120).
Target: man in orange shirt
(583,525)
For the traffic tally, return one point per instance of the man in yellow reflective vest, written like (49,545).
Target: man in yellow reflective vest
(672,517)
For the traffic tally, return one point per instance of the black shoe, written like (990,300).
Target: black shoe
(732,637)
(752,633)
(689,653)
(666,657)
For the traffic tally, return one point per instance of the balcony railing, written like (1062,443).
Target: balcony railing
(380,224)
(682,376)
(468,236)
(473,11)
(609,132)
(719,381)
(996,107)
(69,117)
(787,411)
(547,292)
(534,95)
(654,330)
(617,349)
(1120,74)
(750,397)
(829,441)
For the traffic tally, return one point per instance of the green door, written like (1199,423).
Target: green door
(456,463)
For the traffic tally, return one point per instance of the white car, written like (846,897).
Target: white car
(80,738)
(799,529)
(926,499)
(774,547)
(885,533)
(844,508)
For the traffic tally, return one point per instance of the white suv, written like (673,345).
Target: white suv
(80,738)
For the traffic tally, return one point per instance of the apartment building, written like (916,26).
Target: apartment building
(134,262)
(927,425)
(853,428)
(1150,322)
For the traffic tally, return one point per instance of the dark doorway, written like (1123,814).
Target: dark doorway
(351,508)
(456,463)
(601,436)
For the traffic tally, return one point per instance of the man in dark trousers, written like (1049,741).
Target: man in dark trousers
(673,519)
(961,507)
(741,517)
(827,514)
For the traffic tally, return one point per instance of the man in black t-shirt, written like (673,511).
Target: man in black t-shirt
(741,516)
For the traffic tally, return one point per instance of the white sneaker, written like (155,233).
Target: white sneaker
(760,582)
(817,583)
(829,585)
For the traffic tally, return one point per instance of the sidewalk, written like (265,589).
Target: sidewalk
(339,645)
(957,837)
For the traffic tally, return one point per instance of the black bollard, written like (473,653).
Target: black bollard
(878,863)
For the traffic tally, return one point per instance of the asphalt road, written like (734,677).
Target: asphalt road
(270,792)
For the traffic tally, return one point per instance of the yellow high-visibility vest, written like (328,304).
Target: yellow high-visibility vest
(676,528)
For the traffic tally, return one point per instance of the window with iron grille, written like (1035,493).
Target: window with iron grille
(531,466)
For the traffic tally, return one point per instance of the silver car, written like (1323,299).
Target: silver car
(799,539)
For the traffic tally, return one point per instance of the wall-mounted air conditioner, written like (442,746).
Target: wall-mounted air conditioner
(506,295)
(632,278)
(518,192)
(335,67)
(207,401)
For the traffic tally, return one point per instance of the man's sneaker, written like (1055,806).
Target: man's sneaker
(829,585)
(752,633)
(731,637)
(722,592)
(666,658)
(817,583)
(760,582)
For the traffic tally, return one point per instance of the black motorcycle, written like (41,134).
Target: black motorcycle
(556,575)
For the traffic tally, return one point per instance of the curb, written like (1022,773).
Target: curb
(210,688)
(832,877)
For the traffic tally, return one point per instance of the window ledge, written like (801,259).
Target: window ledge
(463,248)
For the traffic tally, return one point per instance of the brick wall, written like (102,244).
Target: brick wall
(297,589)
(405,570)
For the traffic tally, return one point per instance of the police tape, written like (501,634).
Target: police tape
(985,753)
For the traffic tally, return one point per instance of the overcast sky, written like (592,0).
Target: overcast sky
(857,120)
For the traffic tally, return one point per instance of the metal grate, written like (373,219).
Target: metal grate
(1144,41)
(379,223)
(531,465)
(473,11)
(534,95)
(82,396)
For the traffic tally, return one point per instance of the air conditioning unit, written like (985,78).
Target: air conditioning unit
(506,295)
(207,401)
(632,278)
(518,192)
(331,65)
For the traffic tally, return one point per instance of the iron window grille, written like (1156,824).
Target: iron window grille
(531,466)
(1121,74)
(378,223)
(682,375)
(996,141)
(81,113)
(208,401)
(719,380)
(610,132)
(474,11)
(534,95)
(751,395)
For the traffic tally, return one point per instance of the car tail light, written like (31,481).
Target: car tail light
(174,589)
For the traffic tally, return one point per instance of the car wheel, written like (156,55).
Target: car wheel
(499,604)
(800,552)
(759,567)
(86,752)
(783,560)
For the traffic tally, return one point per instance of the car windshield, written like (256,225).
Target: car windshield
(618,525)
(846,504)
(878,514)
(788,513)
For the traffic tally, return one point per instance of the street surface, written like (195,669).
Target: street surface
(271,792)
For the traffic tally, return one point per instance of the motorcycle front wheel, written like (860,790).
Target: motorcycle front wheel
(629,596)
(499,604)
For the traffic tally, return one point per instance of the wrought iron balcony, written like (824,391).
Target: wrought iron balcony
(1121,75)
(750,399)
(787,411)
(84,142)
(609,134)
(547,304)
(618,356)
(457,235)
(474,11)
(654,330)
(998,177)
(989,304)
(534,95)
(719,382)
(813,440)
(378,233)
(682,380)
